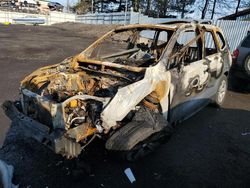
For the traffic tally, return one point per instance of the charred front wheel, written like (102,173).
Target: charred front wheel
(146,147)
(136,140)
(221,91)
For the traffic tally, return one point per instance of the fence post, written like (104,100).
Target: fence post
(47,19)
(134,17)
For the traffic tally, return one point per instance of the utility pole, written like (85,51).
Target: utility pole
(68,6)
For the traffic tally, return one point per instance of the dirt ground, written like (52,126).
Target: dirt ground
(208,150)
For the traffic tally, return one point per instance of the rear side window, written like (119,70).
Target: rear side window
(246,42)
(221,40)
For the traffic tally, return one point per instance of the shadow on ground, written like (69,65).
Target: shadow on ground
(211,149)
(238,85)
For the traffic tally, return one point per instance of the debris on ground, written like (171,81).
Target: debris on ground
(6,174)
(130,175)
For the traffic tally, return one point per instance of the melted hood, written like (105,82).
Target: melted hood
(61,81)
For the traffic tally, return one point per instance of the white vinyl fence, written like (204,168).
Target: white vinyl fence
(234,31)
(104,18)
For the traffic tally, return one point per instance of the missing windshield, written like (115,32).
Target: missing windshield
(138,48)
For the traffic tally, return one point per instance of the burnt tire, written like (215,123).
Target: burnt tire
(220,95)
(135,141)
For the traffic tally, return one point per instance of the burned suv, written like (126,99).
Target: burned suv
(128,88)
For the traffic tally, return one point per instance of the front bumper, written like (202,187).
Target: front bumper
(49,112)
(55,140)
(45,121)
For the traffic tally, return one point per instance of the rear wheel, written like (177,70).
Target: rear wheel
(221,92)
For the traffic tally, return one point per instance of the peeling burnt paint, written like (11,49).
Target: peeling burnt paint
(95,93)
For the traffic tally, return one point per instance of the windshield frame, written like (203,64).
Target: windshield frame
(138,27)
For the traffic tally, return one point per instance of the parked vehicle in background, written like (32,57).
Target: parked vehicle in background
(240,70)
(129,88)
(55,6)
(241,60)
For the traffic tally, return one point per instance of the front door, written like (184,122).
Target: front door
(190,75)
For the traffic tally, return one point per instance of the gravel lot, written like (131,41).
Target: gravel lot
(207,150)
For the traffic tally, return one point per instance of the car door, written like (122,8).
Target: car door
(215,55)
(189,73)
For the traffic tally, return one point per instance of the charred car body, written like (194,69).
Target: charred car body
(157,75)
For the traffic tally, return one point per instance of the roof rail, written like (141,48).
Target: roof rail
(188,21)
(206,22)
(176,21)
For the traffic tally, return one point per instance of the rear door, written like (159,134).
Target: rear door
(214,56)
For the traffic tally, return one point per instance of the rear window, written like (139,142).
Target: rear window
(246,42)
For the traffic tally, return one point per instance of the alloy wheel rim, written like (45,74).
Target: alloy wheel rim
(222,91)
(248,64)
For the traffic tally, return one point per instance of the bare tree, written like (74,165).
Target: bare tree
(183,4)
(161,7)
(148,7)
(238,6)
(205,8)
(136,5)
(83,6)
(213,10)
(183,9)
